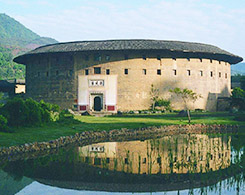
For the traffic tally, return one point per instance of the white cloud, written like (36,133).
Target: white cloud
(189,20)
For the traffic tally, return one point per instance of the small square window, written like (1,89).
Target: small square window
(144,160)
(125,71)
(86,72)
(211,73)
(219,74)
(175,72)
(144,57)
(97,70)
(107,57)
(219,62)
(158,57)
(188,59)
(211,61)
(144,71)
(200,59)
(107,160)
(159,72)
(107,71)
(189,72)
(226,75)
(126,56)
(201,73)
(174,59)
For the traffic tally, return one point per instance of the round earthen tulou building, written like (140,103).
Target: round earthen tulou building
(117,75)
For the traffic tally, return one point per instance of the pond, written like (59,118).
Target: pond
(177,164)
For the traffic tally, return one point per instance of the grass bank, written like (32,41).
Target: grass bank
(56,130)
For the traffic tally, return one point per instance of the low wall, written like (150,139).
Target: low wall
(89,137)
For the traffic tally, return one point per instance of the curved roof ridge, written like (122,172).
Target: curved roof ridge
(133,44)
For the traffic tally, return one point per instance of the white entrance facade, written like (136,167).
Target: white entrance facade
(97,93)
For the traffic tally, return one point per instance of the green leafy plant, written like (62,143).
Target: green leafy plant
(166,104)
(186,95)
(154,94)
(3,123)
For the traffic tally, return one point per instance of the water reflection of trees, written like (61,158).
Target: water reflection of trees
(170,154)
(177,158)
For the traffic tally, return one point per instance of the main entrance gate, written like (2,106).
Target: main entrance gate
(97,103)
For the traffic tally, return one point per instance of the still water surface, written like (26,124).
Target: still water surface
(179,164)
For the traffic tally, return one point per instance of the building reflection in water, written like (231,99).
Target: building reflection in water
(170,154)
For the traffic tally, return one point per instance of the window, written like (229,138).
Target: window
(97,70)
(188,59)
(175,72)
(47,73)
(174,59)
(201,73)
(107,71)
(226,75)
(107,57)
(189,72)
(144,71)
(97,57)
(219,74)
(200,59)
(57,73)
(159,72)
(211,61)
(86,57)
(107,160)
(219,62)
(158,57)
(211,73)
(144,57)
(86,72)
(125,71)
(144,160)
(125,56)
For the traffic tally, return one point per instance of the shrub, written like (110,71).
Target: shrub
(3,123)
(66,117)
(16,112)
(21,112)
(34,116)
(166,104)
(238,98)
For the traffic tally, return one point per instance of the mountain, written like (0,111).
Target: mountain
(16,39)
(13,33)
(238,69)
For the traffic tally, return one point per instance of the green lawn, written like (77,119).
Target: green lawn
(90,123)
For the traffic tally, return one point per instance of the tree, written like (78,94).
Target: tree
(154,93)
(186,95)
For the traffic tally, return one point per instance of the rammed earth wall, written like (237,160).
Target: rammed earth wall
(90,137)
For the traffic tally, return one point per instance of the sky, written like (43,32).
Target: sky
(217,22)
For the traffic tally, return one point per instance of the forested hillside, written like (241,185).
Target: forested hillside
(9,69)
(15,39)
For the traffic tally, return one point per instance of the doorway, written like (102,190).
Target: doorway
(97,103)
